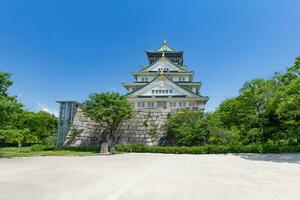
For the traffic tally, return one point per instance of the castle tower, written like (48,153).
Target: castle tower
(165,83)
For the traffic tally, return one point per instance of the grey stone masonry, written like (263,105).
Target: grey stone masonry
(145,127)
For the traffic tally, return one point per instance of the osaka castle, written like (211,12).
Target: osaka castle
(165,83)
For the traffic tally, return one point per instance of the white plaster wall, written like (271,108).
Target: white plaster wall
(149,78)
(163,64)
(172,104)
(173,78)
(165,87)
(176,78)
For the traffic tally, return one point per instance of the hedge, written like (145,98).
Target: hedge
(210,149)
(85,149)
(39,147)
(206,149)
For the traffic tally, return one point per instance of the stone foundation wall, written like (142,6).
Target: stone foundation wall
(145,127)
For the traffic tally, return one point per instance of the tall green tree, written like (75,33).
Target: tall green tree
(9,105)
(18,126)
(288,109)
(286,101)
(30,128)
(266,110)
(194,128)
(108,110)
(41,124)
(186,128)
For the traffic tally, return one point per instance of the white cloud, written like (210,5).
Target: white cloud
(43,107)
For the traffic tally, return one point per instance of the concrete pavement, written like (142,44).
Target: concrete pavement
(152,176)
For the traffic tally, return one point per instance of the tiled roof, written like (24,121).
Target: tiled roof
(165,48)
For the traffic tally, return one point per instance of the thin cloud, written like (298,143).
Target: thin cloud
(43,107)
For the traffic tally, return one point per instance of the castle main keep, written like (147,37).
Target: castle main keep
(165,83)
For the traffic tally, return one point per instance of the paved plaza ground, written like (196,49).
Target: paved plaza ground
(152,176)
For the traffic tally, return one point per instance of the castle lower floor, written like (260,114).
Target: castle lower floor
(167,103)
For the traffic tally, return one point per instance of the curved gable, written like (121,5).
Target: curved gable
(161,86)
(163,63)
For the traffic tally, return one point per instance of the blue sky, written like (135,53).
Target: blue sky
(60,50)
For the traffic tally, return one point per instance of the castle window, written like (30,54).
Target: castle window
(181,78)
(192,104)
(150,104)
(172,104)
(170,91)
(152,91)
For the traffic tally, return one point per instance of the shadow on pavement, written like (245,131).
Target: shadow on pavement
(273,157)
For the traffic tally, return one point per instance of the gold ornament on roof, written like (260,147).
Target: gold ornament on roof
(161,71)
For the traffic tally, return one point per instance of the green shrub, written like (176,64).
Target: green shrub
(210,149)
(40,147)
(84,149)
(205,149)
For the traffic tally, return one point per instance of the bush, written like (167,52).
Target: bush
(40,147)
(84,149)
(210,149)
(205,149)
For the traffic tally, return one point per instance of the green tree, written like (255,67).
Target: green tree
(288,109)
(108,110)
(29,128)
(5,82)
(43,125)
(266,110)
(187,128)
(18,126)
(250,111)
(193,128)
(18,136)
(9,106)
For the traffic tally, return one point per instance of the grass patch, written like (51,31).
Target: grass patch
(9,152)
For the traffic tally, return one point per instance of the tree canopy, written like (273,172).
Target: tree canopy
(108,110)
(18,125)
